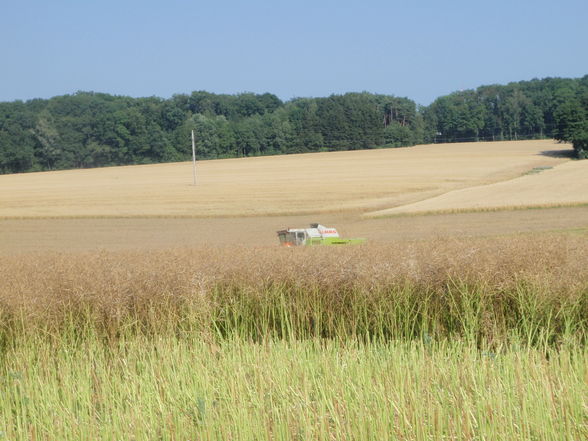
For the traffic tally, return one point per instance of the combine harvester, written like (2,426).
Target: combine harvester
(317,234)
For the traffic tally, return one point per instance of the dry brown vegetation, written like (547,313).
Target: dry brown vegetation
(359,181)
(483,289)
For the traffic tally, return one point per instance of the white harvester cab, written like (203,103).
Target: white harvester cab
(317,234)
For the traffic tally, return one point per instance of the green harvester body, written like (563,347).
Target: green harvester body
(317,234)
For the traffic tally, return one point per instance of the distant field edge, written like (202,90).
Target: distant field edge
(375,215)
(351,212)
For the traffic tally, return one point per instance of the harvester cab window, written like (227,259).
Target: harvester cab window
(300,238)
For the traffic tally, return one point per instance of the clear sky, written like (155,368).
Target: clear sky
(418,49)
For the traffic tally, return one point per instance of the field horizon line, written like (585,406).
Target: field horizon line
(477,210)
(362,215)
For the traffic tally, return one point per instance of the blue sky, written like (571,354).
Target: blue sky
(419,49)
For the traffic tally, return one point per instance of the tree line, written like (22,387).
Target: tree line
(90,129)
(552,107)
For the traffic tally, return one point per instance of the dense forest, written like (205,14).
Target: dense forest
(90,129)
(552,107)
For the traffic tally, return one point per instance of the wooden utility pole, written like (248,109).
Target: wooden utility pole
(193,157)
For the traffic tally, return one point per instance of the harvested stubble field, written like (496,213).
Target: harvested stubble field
(443,339)
(18,236)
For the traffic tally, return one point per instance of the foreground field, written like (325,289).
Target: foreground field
(330,291)
(359,181)
(441,339)
(170,389)
(477,288)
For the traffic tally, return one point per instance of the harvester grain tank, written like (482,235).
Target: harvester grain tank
(317,234)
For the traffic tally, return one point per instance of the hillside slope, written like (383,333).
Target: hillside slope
(359,181)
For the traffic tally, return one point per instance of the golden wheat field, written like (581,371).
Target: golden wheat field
(360,181)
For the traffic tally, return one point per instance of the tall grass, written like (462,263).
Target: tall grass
(461,340)
(189,389)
